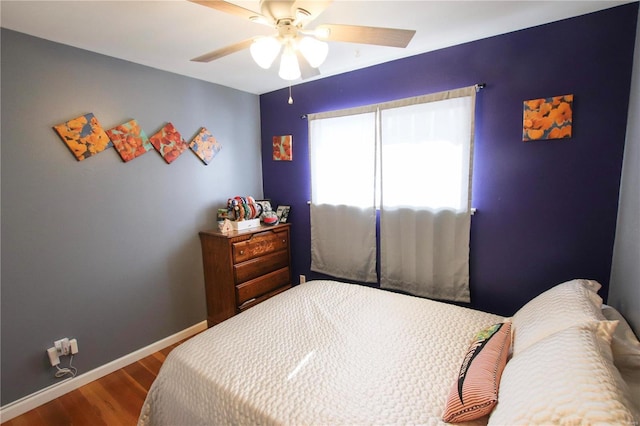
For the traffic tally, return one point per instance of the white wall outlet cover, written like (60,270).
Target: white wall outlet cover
(62,346)
(58,346)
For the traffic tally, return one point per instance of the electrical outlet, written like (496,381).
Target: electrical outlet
(62,346)
(303,279)
(58,345)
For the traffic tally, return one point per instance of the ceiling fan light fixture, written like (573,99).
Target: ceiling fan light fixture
(289,67)
(259,20)
(322,32)
(313,50)
(301,17)
(264,51)
(296,45)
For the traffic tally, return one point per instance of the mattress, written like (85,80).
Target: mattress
(323,352)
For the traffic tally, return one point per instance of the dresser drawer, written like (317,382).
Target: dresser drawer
(261,285)
(259,245)
(253,302)
(253,268)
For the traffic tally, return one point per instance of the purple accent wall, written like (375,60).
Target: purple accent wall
(546,209)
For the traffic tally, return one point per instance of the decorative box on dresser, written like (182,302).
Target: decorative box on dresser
(244,268)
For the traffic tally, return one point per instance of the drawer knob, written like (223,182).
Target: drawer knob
(241,251)
(284,241)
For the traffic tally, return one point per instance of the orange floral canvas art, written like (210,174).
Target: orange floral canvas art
(205,146)
(169,143)
(130,140)
(282,148)
(549,118)
(84,136)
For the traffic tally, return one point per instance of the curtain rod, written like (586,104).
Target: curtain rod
(478,86)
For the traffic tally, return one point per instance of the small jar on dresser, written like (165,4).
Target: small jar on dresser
(244,268)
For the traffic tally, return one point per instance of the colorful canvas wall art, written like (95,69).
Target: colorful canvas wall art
(205,146)
(130,140)
(549,118)
(169,143)
(282,148)
(84,136)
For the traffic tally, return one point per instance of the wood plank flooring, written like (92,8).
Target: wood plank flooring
(115,399)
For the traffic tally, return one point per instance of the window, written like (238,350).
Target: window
(412,160)
(343,163)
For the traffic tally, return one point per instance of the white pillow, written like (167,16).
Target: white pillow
(572,302)
(626,352)
(565,378)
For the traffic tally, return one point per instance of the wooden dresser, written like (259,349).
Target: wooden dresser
(244,268)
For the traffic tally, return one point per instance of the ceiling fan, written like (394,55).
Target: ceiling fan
(303,50)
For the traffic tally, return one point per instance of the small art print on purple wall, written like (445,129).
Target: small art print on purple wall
(130,140)
(549,118)
(205,146)
(169,143)
(282,148)
(84,136)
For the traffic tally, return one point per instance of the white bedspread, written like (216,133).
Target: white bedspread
(321,353)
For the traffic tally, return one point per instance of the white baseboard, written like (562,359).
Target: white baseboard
(54,391)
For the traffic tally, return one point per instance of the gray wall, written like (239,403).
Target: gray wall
(102,250)
(624,292)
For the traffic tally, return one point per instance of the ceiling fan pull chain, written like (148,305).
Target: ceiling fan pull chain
(290,98)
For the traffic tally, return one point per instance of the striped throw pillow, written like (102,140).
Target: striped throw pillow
(475,391)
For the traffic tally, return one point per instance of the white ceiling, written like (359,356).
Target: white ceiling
(167,34)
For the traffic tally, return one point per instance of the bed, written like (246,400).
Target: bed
(332,353)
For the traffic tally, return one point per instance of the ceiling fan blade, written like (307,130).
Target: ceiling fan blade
(216,54)
(367,35)
(306,70)
(232,9)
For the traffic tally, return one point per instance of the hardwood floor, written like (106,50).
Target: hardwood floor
(115,399)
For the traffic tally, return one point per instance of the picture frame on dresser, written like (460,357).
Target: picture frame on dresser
(283,213)
(265,205)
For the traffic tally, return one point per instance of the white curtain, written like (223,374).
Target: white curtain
(427,143)
(425,253)
(343,213)
(343,242)
(411,158)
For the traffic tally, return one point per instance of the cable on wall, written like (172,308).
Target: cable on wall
(71,370)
